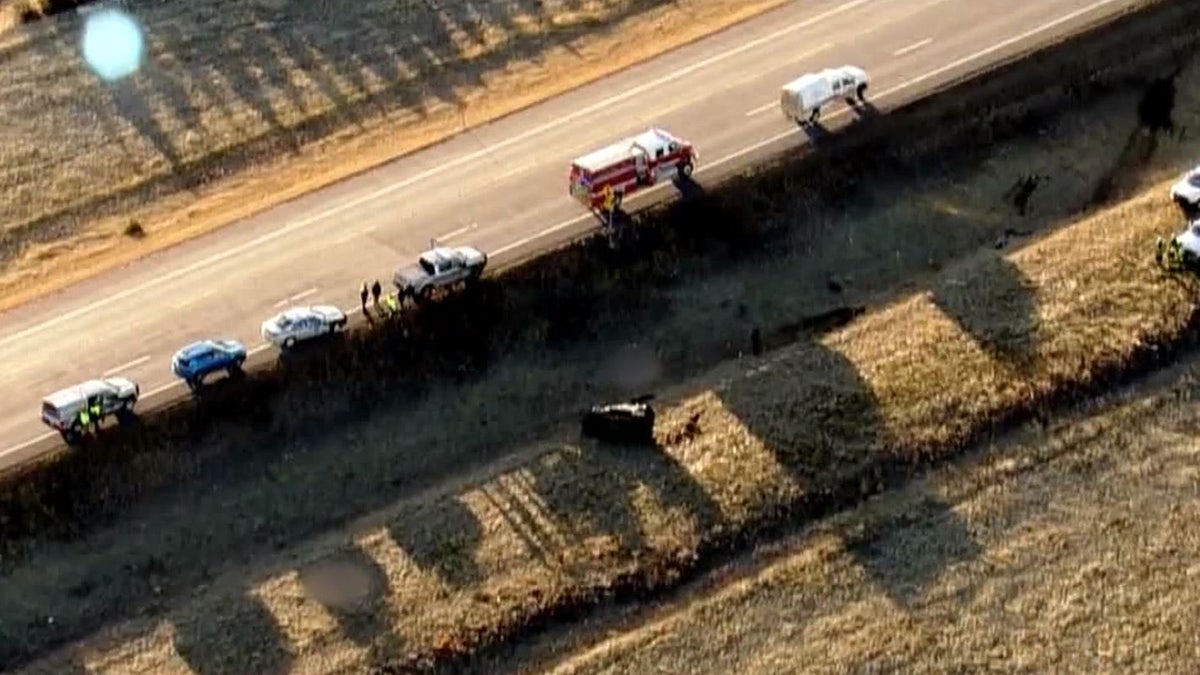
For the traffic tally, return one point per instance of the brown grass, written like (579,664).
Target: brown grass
(246,105)
(273,489)
(1068,549)
(783,435)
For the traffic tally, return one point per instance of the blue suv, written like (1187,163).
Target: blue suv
(195,361)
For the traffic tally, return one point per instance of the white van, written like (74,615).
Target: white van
(802,98)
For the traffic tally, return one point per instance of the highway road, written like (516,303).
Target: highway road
(500,187)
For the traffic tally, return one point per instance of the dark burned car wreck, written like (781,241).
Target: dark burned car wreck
(631,422)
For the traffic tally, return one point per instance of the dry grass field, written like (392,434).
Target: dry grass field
(244,104)
(561,525)
(1072,548)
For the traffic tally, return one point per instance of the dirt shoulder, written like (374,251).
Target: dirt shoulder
(245,105)
(1050,549)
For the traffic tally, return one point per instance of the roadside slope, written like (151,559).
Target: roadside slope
(810,427)
(241,106)
(272,490)
(1071,548)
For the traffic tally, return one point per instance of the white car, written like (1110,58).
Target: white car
(298,324)
(1186,191)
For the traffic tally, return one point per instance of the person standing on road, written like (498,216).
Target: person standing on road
(362,295)
(85,420)
(376,290)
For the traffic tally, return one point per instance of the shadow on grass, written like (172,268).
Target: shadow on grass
(441,538)
(820,420)
(811,409)
(994,302)
(587,490)
(905,558)
(250,642)
(353,588)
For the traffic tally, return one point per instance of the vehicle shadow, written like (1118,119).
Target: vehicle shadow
(864,110)
(816,131)
(246,640)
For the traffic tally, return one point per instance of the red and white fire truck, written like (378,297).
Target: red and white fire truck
(600,179)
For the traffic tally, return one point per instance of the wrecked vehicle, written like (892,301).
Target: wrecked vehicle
(631,422)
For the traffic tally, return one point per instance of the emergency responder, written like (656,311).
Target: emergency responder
(362,294)
(85,420)
(393,305)
(376,291)
(94,411)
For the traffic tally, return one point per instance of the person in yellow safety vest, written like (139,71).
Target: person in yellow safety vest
(95,414)
(85,419)
(392,304)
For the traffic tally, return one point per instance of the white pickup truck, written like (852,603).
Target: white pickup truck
(439,267)
(113,396)
(802,98)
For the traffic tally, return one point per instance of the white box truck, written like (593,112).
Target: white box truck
(802,98)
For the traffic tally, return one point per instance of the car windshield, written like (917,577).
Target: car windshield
(1196,230)
(1194,180)
(427,266)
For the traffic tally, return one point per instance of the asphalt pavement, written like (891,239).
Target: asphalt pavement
(500,187)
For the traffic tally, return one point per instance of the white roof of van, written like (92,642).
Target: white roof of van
(809,78)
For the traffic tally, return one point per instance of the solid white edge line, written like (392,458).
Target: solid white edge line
(933,73)
(441,168)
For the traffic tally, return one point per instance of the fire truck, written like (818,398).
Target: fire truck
(600,179)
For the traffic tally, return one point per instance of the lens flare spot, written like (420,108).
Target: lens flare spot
(113,44)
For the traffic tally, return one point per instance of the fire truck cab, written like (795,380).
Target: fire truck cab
(600,179)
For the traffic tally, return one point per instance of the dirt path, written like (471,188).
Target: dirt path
(244,105)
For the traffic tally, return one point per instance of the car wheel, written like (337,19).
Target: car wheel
(685,170)
(862,92)
(289,343)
